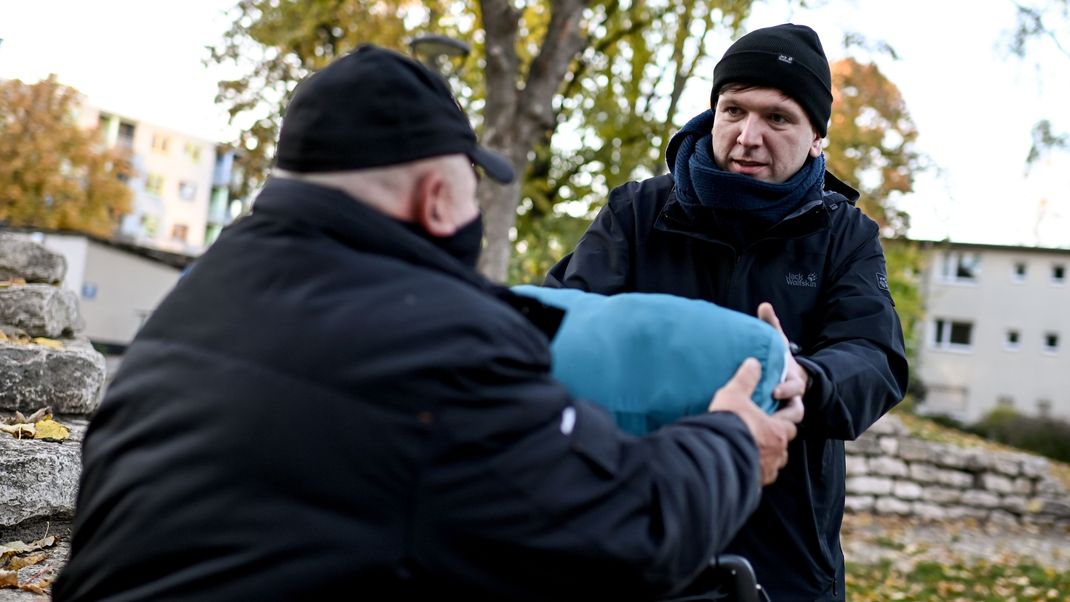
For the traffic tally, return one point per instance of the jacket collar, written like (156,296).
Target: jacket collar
(353,223)
(841,188)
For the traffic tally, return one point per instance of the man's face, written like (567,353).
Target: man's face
(760,132)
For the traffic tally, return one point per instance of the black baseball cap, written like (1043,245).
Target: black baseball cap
(376,107)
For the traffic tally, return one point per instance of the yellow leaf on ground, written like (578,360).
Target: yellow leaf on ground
(50,430)
(19,562)
(50,343)
(3,335)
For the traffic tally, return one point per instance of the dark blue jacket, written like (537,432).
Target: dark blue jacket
(329,407)
(823,270)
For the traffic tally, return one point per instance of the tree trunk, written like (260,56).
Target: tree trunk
(516,117)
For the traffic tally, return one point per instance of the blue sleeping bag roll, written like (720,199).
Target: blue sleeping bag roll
(651,359)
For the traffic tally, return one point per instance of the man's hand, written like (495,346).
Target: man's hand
(794,385)
(771,433)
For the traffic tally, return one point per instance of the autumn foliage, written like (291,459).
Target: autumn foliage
(53,174)
(871,140)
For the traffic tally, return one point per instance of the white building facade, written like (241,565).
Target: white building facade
(996,330)
(181,183)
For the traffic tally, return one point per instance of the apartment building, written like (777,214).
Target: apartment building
(182,184)
(997,330)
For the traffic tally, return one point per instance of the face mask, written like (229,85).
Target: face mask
(464,245)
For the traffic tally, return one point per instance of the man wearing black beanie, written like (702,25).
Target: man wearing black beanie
(750,219)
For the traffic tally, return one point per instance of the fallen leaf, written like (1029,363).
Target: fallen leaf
(15,338)
(41,587)
(19,547)
(19,431)
(50,343)
(50,430)
(19,562)
(41,414)
(9,579)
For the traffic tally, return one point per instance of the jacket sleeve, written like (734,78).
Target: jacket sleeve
(858,363)
(567,506)
(601,260)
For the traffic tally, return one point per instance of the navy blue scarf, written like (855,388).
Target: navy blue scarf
(700,182)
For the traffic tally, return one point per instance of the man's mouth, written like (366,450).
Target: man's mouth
(747,167)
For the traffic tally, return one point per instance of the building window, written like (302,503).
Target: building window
(179,232)
(149,225)
(160,143)
(1058,274)
(1051,342)
(126,135)
(154,184)
(1044,407)
(1005,401)
(187,190)
(949,334)
(193,151)
(1019,271)
(960,266)
(1013,340)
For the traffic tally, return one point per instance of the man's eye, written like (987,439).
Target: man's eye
(732,110)
(778,118)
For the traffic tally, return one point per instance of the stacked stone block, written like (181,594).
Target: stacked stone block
(44,362)
(890,472)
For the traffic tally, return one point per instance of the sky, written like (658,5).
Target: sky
(974,107)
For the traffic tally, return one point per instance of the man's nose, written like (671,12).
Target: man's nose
(750,131)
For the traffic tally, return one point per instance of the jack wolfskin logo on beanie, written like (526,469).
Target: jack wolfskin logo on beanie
(787,57)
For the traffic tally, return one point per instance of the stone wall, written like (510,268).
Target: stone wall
(44,363)
(891,472)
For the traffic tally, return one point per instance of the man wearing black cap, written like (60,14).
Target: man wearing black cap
(332,404)
(748,218)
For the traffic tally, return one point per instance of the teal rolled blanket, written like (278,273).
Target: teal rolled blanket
(651,359)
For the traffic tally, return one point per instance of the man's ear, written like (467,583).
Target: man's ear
(815,146)
(432,204)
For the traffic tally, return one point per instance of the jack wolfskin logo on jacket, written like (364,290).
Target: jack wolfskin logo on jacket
(800,280)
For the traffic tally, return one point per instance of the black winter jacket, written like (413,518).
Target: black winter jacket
(329,407)
(823,270)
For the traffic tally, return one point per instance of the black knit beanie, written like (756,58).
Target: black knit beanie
(787,57)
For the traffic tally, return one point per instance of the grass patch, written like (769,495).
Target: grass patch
(887,542)
(1002,581)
